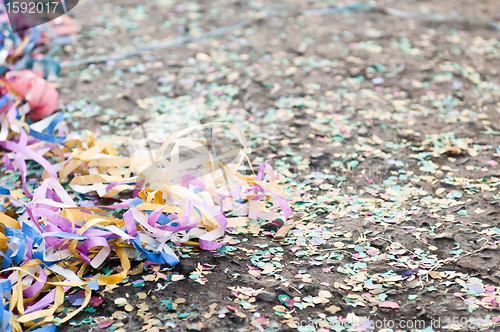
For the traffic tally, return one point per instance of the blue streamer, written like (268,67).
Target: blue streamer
(47,134)
(162,219)
(8,97)
(47,138)
(14,234)
(5,287)
(46,328)
(158,258)
(52,126)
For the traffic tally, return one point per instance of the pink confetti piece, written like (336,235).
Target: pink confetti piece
(388,304)
(104,324)
(96,301)
(327,269)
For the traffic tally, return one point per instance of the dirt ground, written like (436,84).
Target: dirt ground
(384,129)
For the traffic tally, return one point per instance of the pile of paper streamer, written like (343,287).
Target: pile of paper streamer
(53,245)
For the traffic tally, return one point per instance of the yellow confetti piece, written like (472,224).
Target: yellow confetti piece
(212,311)
(119,315)
(142,307)
(333,309)
(325,294)
(279,308)
(439,191)
(177,277)
(121,301)
(317,300)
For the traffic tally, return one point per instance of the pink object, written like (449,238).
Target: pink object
(96,301)
(64,25)
(490,289)
(492,163)
(40,94)
(104,324)
(388,304)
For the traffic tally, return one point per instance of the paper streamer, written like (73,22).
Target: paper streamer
(169,208)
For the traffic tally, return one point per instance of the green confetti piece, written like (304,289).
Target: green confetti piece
(283,298)
(183,315)
(308,299)
(353,163)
